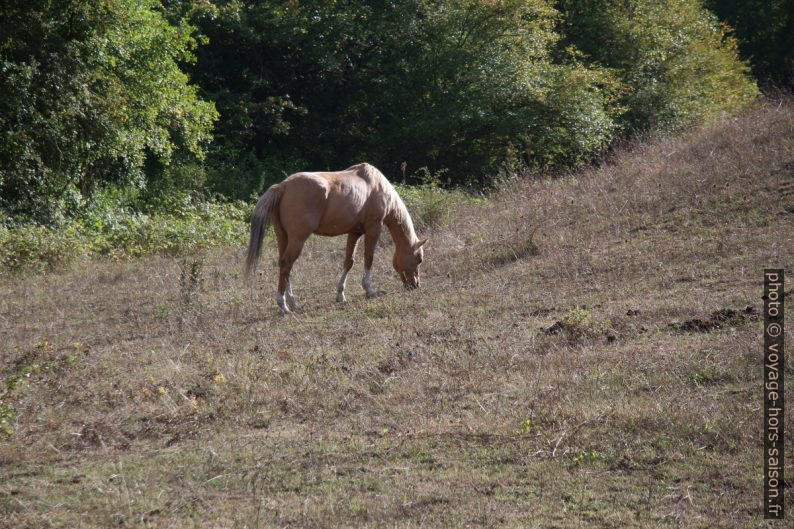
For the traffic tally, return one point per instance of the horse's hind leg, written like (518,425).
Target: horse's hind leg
(289,249)
(291,254)
(281,239)
(350,252)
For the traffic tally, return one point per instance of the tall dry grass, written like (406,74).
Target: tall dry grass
(162,392)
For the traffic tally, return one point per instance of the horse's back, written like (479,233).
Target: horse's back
(327,203)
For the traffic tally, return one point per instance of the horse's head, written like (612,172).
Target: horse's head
(406,263)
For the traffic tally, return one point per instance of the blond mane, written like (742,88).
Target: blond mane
(397,211)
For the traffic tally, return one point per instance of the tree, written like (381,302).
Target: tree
(678,63)
(89,91)
(765,30)
(464,85)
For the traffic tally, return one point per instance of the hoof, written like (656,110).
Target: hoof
(340,297)
(373,294)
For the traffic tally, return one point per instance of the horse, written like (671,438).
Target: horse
(357,201)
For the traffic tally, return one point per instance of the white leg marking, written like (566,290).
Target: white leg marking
(340,287)
(282,305)
(293,305)
(366,282)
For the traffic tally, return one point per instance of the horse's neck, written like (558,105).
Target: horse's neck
(401,232)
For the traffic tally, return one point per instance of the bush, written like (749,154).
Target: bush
(578,324)
(181,224)
(470,86)
(679,65)
(89,93)
(37,248)
(184,224)
(429,204)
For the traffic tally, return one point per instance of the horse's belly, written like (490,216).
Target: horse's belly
(331,231)
(338,224)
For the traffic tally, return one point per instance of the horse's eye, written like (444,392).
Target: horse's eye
(420,260)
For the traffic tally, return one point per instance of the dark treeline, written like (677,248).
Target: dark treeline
(765,31)
(220,97)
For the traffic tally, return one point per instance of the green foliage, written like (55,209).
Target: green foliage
(473,91)
(112,227)
(119,223)
(470,86)
(188,226)
(103,137)
(678,64)
(765,30)
(582,320)
(577,119)
(22,247)
(578,324)
(525,427)
(429,204)
(584,457)
(89,90)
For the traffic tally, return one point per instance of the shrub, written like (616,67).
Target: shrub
(117,224)
(119,230)
(578,324)
(679,65)
(89,92)
(461,84)
(38,248)
(429,204)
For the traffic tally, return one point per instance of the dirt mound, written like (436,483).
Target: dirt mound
(717,320)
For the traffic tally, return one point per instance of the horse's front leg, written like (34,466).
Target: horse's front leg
(291,302)
(370,241)
(350,252)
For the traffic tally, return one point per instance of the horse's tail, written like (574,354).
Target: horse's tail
(265,208)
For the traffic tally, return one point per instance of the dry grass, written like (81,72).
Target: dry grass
(164,393)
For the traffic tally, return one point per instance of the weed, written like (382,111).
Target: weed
(578,324)
(525,427)
(587,457)
(430,205)
(6,414)
(704,375)
(190,279)
(114,230)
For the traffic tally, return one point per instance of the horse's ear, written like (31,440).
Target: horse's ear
(420,244)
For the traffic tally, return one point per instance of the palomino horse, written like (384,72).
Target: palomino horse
(357,201)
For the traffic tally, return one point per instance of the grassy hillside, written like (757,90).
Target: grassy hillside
(584,352)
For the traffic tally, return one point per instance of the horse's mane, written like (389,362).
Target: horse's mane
(397,210)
